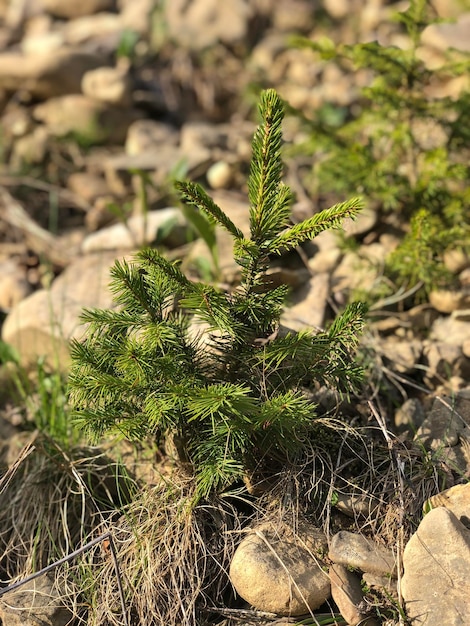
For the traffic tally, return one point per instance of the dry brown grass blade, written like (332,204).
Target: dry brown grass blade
(7,477)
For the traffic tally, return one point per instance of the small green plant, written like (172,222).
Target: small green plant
(43,394)
(404,149)
(231,396)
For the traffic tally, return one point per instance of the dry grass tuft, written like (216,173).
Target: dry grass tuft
(174,558)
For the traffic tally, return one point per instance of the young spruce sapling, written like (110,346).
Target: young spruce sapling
(236,399)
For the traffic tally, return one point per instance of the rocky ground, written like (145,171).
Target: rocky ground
(103,104)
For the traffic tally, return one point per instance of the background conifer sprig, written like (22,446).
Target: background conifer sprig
(237,398)
(404,144)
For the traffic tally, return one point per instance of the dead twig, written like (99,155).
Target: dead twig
(40,240)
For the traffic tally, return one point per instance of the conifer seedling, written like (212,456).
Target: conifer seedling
(237,399)
(405,145)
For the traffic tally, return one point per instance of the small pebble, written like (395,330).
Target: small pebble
(219,175)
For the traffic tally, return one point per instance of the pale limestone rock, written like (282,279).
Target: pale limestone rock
(377,581)
(294,16)
(456,499)
(100,214)
(294,277)
(16,122)
(364,222)
(91,121)
(139,230)
(357,506)
(30,149)
(353,550)
(456,260)
(265,54)
(452,35)
(448,420)
(440,358)
(46,75)
(277,571)
(308,307)
(404,355)
(337,8)
(202,23)
(76,8)
(103,28)
(112,85)
(145,136)
(15,13)
(346,591)
(435,584)
(14,286)
(159,162)
(136,15)
(453,329)
(354,273)
(41,43)
(446,301)
(448,8)
(36,602)
(466,348)
(195,135)
(88,186)
(42,324)
(325,260)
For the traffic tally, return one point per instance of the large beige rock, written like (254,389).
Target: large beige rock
(46,75)
(435,584)
(36,602)
(69,9)
(43,323)
(90,121)
(277,571)
(452,329)
(41,43)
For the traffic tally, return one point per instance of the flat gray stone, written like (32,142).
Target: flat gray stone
(34,603)
(353,550)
